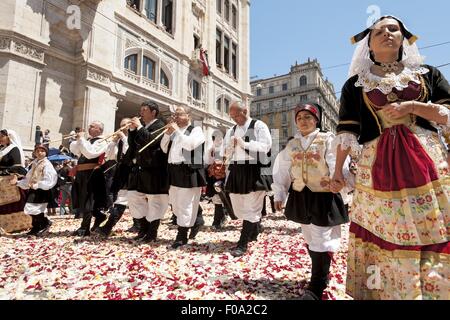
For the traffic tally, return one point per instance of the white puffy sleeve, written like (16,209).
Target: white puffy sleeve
(50,177)
(281,176)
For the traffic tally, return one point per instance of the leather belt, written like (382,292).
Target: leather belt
(87,166)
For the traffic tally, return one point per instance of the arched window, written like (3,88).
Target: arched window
(196,90)
(219,104)
(226,105)
(131,63)
(148,68)
(303,81)
(164,79)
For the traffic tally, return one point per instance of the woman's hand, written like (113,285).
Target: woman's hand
(13,180)
(337,182)
(398,110)
(279,205)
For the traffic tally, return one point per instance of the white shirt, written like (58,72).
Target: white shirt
(49,177)
(181,141)
(87,149)
(113,148)
(263,141)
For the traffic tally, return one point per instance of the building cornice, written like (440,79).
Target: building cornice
(125,23)
(19,45)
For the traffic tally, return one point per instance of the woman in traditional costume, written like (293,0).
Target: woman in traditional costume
(12,162)
(391,105)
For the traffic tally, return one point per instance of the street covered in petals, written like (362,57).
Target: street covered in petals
(59,266)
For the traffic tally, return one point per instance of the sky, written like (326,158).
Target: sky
(285,31)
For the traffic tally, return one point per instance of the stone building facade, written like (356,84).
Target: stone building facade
(275,98)
(65,63)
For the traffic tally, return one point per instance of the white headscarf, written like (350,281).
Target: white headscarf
(15,142)
(361,61)
(361,65)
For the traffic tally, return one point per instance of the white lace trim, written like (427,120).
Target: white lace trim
(347,140)
(370,81)
(444,111)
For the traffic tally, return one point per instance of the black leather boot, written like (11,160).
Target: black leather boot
(34,226)
(143,228)
(256,230)
(181,238)
(99,218)
(84,229)
(321,262)
(264,210)
(199,222)
(136,226)
(241,248)
(152,232)
(44,224)
(116,212)
(219,217)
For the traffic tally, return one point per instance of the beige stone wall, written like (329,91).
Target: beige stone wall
(60,78)
(20,98)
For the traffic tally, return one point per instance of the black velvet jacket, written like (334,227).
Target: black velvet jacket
(152,156)
(357,117)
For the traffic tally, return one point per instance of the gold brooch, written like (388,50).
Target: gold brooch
(392,97)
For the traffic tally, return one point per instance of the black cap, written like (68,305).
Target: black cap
(314,108)
(408,35)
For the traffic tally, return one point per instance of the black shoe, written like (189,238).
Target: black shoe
(178,243)
(238,251)
(32,232)
(102,232)
(115,215)
(81,233)
(44,229)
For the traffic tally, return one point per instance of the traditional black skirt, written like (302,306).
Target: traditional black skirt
(184,176)
(323,209)
(89,190)
(120,179)
(151,180)
(245,178)
(39,196)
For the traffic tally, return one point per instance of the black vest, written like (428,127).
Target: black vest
(83,159)
(194,158)
(262,159)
